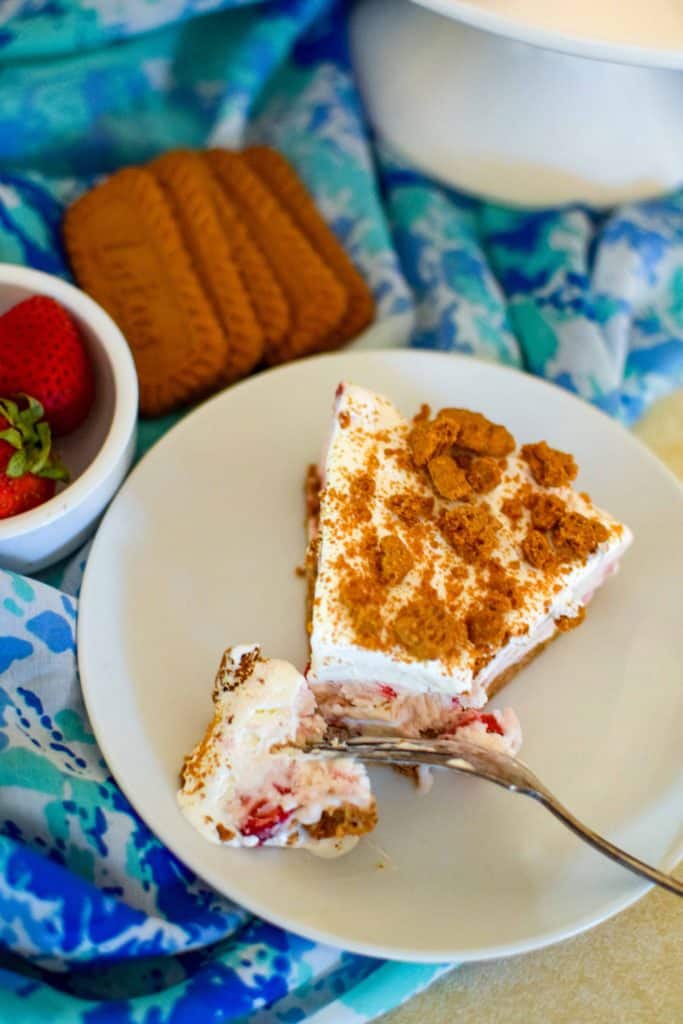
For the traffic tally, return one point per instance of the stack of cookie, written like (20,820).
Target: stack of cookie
(212,264)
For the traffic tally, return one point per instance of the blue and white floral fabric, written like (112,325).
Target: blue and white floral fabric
(593,301)
(98,922)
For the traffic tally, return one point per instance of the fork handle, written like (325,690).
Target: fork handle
(627,860)
(382,750)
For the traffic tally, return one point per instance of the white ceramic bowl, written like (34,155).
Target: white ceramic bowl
(516,123)
(98,454)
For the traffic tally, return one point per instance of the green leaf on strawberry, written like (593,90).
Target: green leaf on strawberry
(17,465)
(12,436)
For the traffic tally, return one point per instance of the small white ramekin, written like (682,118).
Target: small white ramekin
(98,454)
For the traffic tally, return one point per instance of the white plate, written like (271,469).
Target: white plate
(198,551)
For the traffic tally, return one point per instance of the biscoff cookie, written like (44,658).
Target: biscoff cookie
(186,182)
(267,298)
(317,298)
(281,178)
(126,250)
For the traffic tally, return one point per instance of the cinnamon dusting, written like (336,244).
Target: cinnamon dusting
(361,493)
(229,677)
(462,428)
(347,820)
(484,474)
(538,551)
(312,490)
(425,627)
(478,434)
(546,510)
(513,508)
(568,622)
(486,627)
(576,537)
(410,508)
(429,438)
(394,561)
(459,609)
(448,479)
(549,466)
(471,531)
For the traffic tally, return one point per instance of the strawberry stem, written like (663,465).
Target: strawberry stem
(30,434)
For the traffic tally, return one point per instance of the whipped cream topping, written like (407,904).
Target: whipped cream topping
(370,438)
(248,783)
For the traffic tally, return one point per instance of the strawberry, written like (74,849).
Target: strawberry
(29,469)
(41,354)
(388,692)
(490,721)
(264,820)
(492,724)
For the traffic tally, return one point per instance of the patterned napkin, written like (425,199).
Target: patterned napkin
(98,922)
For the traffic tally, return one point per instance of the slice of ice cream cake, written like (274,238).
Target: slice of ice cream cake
(442,557)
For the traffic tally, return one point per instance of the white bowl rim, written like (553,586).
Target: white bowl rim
(518,28)
(125,412)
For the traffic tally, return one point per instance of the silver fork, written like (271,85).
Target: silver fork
(505,771)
